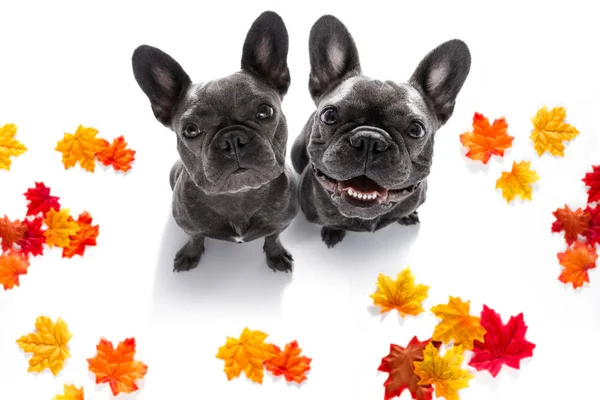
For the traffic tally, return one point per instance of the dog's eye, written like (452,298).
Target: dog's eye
(264,111)
(191,131)
(416,130)
(329,116)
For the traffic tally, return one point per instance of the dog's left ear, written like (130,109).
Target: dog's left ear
(441,75)
(265,51)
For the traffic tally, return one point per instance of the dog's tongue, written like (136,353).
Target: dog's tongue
(362,184)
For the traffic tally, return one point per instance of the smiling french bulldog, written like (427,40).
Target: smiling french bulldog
(231,182)
(366,152)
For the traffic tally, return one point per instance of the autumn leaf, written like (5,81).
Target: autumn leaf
(70,392)
(401,294)
(80,147)
(86,236)
(457,324)
(592,181)
(486,140)
(12,265)
(248,354)
(502,344)
(33,239)
(11,232)
(9,146)
(550,130)
(117,154)
(577,262)
(444,373)
(48,345)
(517,182)
(117,366)
(593,233)
(40,200)
(573,223)
(60,228)
(399,364)
(289,363)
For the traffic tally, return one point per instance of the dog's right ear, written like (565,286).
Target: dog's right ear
(333,55)
(161,78)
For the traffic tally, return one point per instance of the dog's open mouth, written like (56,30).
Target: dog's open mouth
(363,191)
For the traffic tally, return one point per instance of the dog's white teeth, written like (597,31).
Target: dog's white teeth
(351,192)
(362,196)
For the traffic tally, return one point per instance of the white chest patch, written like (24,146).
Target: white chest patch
(239,239)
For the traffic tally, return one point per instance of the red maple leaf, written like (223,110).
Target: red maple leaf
(33,239)
(10,232)
(502,344)
(86,236)
(592,180)
(573,223)
(593,233)
(40,200)
(399,364)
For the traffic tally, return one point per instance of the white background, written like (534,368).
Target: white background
(64,64)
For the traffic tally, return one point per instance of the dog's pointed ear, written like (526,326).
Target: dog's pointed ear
(333,55)
(161,78)
(265,51)
(441,75)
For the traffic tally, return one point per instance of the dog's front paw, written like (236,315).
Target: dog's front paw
(282,261)
(332,236)
(410,219)
(188,257)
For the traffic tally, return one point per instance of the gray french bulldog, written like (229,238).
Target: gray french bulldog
(365,153)
(231,182)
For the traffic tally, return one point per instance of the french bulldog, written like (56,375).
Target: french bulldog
(231,182)
(366,152)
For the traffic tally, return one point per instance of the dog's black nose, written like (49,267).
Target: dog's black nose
(233,142)
(369,141)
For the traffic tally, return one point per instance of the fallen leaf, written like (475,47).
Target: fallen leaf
(117,154)
(248,354)
(572,223)
(517,182)
(593,233)
(33,240)
(289,363)
(70,392)
(48,345)
(444,373)
(11,232)
(116,366)
(399,364)
(577,262)
(592,181)
(40,200)
(12,264)
(550,131)
(9,146)
(502,344)
(80,147)
(401,294)
(486,140)
(60,228)
(457,324)
(86,236)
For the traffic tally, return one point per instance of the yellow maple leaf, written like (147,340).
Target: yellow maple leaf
(517,182)
(9,146)
(60,227)
(70,392)
(550,130)
(401,294)
(248,354)
(48,345)
(81,147)
(457,324)
(444,373)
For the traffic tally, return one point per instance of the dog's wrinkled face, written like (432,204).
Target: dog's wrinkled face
(371,143)
(231,132)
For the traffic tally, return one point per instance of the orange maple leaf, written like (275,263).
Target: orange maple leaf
(289,363)
(86,236)
(116,366)
(11,232)
(60,228)
(517,182)
(573,223)
(577,262)
(81,147)
(70,392)
(457,324)
(12,264)
(117,154)
(486,140)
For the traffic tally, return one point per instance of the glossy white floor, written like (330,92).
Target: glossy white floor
(68,63)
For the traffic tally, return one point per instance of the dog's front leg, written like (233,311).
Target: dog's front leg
(278,258)
(189,255)
(332,236)
(410,219)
